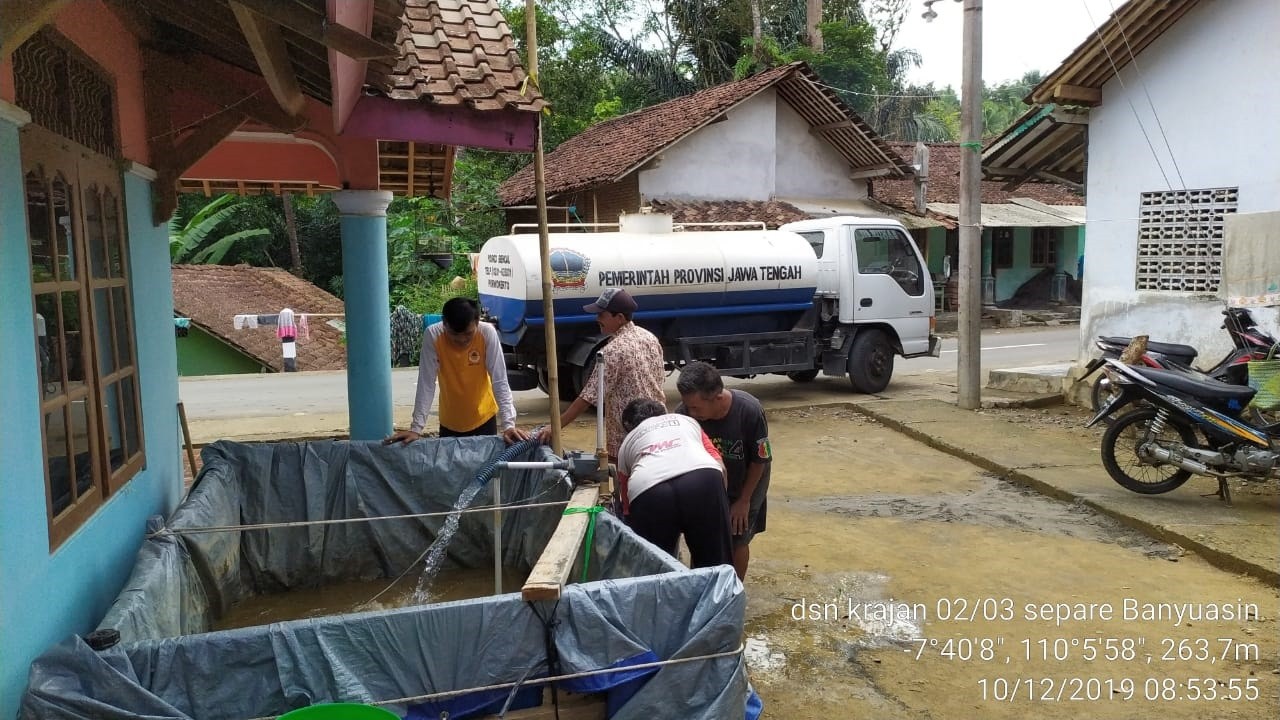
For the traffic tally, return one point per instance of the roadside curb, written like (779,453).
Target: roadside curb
(1212,555)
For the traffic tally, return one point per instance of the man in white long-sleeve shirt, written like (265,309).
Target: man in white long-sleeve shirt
(465,355)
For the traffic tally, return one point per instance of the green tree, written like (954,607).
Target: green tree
(198,241)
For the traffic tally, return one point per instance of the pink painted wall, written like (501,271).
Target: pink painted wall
(99,34)
(266,162)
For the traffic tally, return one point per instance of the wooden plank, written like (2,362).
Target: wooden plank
(409,167)
(1078,93)
(272,55)
(551,571)
(315,26)
(818,129)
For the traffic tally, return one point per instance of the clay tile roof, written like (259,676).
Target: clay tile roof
(944,183)
(211,295)
(455,52)
(611,150)
(773,213)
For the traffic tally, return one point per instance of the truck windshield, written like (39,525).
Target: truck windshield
(886,251)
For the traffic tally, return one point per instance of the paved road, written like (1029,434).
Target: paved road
(275,395)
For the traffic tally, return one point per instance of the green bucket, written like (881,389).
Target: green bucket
(340,711)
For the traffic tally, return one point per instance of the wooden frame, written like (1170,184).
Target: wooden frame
(83,178)
(1001,248)
(1045,240)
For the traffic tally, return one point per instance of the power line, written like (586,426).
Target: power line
(1138,71)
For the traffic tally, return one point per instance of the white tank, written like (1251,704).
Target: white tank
(669,273)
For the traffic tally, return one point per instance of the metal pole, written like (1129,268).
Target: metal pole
(497,533)
(602,455)
(544,240)
(969,369)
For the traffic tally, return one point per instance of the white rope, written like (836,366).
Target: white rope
(542,681)
(343,521)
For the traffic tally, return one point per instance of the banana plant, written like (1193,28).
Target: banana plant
(187,241)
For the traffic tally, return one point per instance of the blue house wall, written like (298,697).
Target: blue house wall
(47,595)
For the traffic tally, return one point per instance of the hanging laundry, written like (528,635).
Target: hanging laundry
(304,328)
(406,337)
(285,325)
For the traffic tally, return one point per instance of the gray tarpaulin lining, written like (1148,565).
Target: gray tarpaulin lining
(170,666)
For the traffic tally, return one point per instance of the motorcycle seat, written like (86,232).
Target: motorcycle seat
(1196,386)
(1168,349)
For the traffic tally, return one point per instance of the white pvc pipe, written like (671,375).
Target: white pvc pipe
(497,534)
(534,465)
(600,400)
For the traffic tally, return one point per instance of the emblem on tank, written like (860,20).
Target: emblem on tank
(569,268)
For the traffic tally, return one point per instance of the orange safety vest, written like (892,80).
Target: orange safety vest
(466,391)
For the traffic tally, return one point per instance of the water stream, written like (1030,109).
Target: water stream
(435,553)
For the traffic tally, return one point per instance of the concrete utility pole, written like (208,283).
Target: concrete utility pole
(969,370)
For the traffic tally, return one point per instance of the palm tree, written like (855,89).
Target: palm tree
(187,241)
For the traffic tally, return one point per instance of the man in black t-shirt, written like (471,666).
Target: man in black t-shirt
(736,424)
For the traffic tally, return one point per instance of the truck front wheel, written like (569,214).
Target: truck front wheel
(870,362)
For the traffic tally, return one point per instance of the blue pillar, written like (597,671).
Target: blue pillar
(367,299)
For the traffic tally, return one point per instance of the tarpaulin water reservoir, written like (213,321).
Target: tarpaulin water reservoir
(640,634)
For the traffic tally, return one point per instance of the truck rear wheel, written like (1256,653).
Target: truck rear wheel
(565,381)
(870,362)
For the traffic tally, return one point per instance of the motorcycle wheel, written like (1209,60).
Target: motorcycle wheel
(1120,452)
(1101,393)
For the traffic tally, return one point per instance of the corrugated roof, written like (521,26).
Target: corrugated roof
(1046,143)
(822,207)
(613,149)
(1018,215)
(1129,30)
(944,183)
(211,295)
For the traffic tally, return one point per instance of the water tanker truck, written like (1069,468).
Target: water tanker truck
(840,296)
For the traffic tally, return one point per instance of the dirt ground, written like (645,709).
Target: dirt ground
(938,575)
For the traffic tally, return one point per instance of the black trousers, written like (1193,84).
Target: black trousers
(488,427)
(694,504)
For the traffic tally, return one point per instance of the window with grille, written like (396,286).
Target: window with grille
(1044,246)
(1180,234)
(66,92)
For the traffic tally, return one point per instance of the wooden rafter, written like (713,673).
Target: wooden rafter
(449,152)
(1077,94)
(176,73)
(269,49)
(20,19)
(316,26)
(1044,166)
(1112,46)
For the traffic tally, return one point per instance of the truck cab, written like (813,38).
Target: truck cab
(874,299)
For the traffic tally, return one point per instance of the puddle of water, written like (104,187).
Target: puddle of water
(883,620)
(350,597)
(761,658)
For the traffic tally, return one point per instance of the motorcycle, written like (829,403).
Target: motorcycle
(1249,342)
(1182,425)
